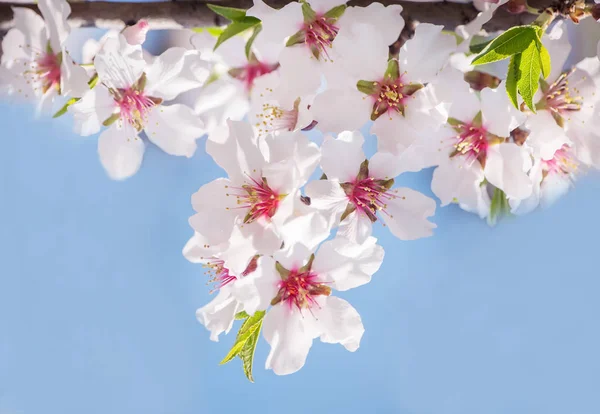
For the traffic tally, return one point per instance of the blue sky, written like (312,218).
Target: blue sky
(97,303)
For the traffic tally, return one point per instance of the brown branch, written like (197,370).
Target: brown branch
(177,14)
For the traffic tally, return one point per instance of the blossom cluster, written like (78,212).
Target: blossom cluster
(292,221)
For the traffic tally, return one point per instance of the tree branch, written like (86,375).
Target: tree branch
(178,14)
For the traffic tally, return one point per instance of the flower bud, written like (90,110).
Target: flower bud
(136,34)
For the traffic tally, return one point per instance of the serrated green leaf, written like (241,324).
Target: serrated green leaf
(65,107)
(512,77)
(530,69)
(236,28)
(478,47)
(247,352)
(230,13)
(248,47)
(539,31)
(336,12)
(514,40)
(544,60)
(249,326)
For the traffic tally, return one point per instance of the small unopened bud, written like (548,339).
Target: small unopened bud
(136,34)
(480,80)
(519,136)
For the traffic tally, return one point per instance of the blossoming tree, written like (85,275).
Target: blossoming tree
(486,93)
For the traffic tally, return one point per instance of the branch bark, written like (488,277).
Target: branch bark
(179,14)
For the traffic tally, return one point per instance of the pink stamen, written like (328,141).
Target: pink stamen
(134,106)
(258,198)
(369,196)
(300,288)
(559,99)
(471,142)
(218,273)
(563,162)
(221,276)
(46,70)
(319,35)
(253,70)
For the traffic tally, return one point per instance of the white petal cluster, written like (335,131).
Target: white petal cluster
(291,221)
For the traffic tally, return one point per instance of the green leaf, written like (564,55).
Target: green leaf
(514,40)
(247,352)
(245,342)
(65,107)
(248,47)
(530,69)
(230,13)
(336,12)
(236,28)
(512,77)
(544,60)
(478,47)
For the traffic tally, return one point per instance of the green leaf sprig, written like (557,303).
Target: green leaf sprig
(528,60)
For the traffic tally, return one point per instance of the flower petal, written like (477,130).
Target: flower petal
(406,214)
(339,323)
(345,264)
(235,150)
(174,129)
(218,315)
(175,71)
(341,110)
(94,107)
(506,168)
(55,13)
(341,157)
(499,115)
(290,334)
(121,151)
(256,290)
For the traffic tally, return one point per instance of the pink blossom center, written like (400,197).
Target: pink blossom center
(48,70)
(369,195)
(219,275)
(563,162)
(471,141)
(390,96)
(300,288)
(319,35)
(134,106)
(274,118)
(258,199)
(253,70)
(560,98)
